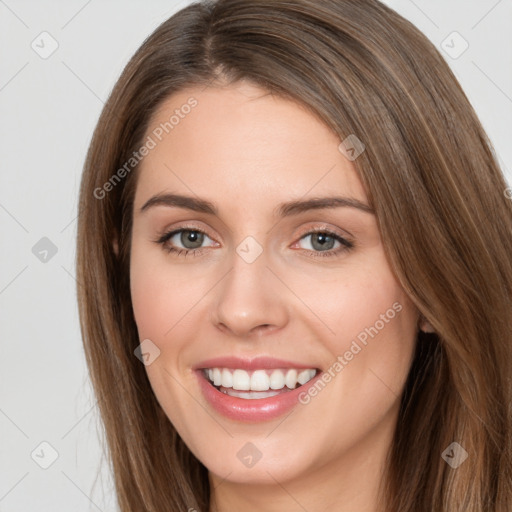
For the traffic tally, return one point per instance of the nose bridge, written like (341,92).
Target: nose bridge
(249,297)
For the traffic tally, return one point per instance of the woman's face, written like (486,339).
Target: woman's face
(272,286)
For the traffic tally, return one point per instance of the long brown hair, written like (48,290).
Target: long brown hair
(430,174)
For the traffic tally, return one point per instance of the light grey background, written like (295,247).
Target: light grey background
(49,107)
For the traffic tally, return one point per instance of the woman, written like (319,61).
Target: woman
(294,242)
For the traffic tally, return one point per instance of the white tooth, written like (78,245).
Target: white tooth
(291,379)
(260,381)
(252,395)
(241,380)
(217,377)
(303,377)
(277,380)
(227,378)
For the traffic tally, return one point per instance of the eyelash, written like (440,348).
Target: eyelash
(346,245)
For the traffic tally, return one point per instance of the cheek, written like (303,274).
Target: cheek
(162,300)
(348,301)
(368,321)
(161,294)
(149,300)
(372,306)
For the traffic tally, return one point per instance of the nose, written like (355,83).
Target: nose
(250,300)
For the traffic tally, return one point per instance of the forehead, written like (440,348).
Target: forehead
(240,138)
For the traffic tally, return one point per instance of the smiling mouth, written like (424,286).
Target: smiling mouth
(257,384)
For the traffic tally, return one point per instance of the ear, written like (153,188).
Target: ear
(115,246)
(424,325)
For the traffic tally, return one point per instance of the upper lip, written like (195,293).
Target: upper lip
(256,363)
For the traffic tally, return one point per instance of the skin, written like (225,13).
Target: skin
(247,151)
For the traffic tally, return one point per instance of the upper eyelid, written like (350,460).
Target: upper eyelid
(319,226)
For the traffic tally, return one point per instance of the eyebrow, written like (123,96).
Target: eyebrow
(283,210)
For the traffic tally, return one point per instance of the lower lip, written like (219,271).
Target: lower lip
(252,410)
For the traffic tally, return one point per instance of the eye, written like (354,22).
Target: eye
(322,243)
(183,241)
